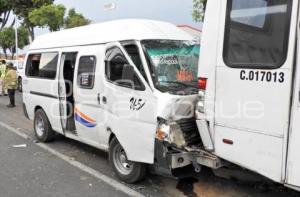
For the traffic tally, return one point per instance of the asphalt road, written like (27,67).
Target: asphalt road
(27,170)
(37,171)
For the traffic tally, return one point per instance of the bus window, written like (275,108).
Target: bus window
(256,34)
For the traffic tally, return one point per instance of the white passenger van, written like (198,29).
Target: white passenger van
(117,86)
(249,107)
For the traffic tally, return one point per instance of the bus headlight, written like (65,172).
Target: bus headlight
(170,132)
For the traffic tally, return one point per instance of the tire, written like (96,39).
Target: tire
(20,86)
(42,128)
(133,172)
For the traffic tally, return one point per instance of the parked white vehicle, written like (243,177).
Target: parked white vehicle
(119,86)
(248,110)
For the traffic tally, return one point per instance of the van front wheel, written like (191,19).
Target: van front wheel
(127,171)
(42,128)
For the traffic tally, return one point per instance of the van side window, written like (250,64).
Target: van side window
(133,52)
(115,70)
(43,65)
(86,72)
(256,34)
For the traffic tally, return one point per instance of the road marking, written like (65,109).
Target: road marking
(117,185)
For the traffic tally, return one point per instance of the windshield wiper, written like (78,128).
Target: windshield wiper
(180,83)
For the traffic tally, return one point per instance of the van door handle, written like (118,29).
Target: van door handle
(104,100)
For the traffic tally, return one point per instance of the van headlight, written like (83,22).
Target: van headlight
(170,132)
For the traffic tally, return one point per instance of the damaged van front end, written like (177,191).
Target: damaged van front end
(178,145)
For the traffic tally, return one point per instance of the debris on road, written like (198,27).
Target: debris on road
(20,146)
(35,141)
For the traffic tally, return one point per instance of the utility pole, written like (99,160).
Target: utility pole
(16,38)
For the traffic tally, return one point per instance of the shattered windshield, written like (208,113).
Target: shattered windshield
(174,64)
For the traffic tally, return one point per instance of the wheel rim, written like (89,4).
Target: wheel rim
(120,161)
(39,126)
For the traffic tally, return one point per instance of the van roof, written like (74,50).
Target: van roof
(118,30)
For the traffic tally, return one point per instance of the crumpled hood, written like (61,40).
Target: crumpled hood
(175,107)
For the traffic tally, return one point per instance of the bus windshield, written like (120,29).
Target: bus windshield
(174,64)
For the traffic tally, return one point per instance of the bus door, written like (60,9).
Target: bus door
(293,161)
(253,84)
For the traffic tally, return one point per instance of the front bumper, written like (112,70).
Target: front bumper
(171,159)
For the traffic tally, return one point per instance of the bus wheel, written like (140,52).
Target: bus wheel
(127,171)
(42,128)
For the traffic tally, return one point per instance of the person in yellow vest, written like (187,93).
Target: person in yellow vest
(2,76)
(10,82)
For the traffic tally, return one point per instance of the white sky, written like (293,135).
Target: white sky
(174,11)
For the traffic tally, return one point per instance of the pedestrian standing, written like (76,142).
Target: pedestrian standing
(10,83)
(2,76)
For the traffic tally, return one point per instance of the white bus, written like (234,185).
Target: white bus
(249,105)
(118,86)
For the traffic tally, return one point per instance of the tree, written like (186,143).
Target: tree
(75,19)
(22,8)
(199,7)
(7,39)
(51,16)
(22,37)
(5,10)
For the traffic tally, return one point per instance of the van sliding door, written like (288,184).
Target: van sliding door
(88,110)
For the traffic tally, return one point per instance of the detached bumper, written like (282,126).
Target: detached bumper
(202,158)
(171,160)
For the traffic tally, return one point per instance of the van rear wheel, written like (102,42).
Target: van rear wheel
(125,170)
(42,128)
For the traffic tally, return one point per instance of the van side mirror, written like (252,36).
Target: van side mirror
(128,74)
